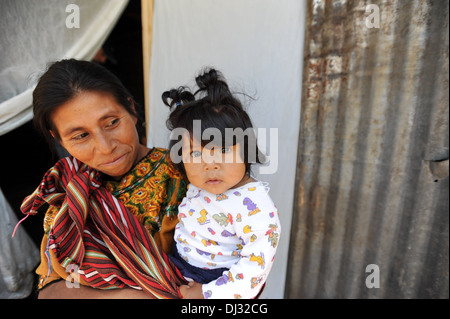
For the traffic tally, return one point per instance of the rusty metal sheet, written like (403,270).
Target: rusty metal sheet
(372,174)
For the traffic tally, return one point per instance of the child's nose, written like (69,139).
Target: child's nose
(212,166)
(211,160)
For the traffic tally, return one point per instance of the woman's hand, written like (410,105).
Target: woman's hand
(193,290)
(59,290)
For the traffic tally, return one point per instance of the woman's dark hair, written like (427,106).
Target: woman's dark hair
(216,107)
(64,80)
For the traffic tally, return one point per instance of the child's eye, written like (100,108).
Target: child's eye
(226,150)
(196,154)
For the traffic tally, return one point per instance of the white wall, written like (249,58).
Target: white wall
(258,46)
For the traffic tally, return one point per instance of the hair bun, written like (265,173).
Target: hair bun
(177,97)
(213,84)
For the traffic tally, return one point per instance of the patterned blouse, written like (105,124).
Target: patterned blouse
(151,191)
(238,229)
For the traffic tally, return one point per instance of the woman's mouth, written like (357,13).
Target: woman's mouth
(115,160)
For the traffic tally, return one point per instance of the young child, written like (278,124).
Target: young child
(228,229)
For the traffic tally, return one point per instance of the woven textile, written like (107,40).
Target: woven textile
(96,234)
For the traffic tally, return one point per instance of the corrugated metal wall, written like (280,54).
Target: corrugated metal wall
(372,177)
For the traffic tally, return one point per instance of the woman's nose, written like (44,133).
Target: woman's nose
(104,144)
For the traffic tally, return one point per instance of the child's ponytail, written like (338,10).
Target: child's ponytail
(177,97)
(213,86)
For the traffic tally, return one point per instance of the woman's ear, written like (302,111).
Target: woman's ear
(133,108)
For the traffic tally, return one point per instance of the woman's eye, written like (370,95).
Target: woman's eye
(113,122)
(196,154)
(80,136)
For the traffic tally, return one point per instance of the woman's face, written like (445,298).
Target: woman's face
(99,132)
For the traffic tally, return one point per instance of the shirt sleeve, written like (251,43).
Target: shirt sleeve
(258,227)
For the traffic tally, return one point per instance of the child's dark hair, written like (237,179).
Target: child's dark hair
(216,107)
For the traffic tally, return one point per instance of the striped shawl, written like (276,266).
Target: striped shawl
(94,233)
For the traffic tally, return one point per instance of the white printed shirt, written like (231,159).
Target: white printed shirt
(238,230)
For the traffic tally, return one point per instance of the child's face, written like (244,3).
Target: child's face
(214,169)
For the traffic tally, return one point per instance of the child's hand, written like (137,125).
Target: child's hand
(193,290)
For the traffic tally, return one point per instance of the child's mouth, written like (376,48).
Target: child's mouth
(213,181)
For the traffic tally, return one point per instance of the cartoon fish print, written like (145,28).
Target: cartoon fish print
(253,238)
(259,259)
(272,235)
(221,197)
(251,189)
(207,294)
(250,206)
(208,242)
(255,281)
(202,220)
(249,203)
(201,252)
(223,219)
(237,296)
(272,214)
(207,199)
(239,276)
(226,233)
(237,193)
(239,218)
(191,211)
(186,249)
(224,279)
(211,231)
(247,229)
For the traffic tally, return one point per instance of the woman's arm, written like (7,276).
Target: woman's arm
(59,290)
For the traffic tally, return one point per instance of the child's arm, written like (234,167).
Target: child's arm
(193,290)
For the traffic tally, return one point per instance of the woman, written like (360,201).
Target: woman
(86,109)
